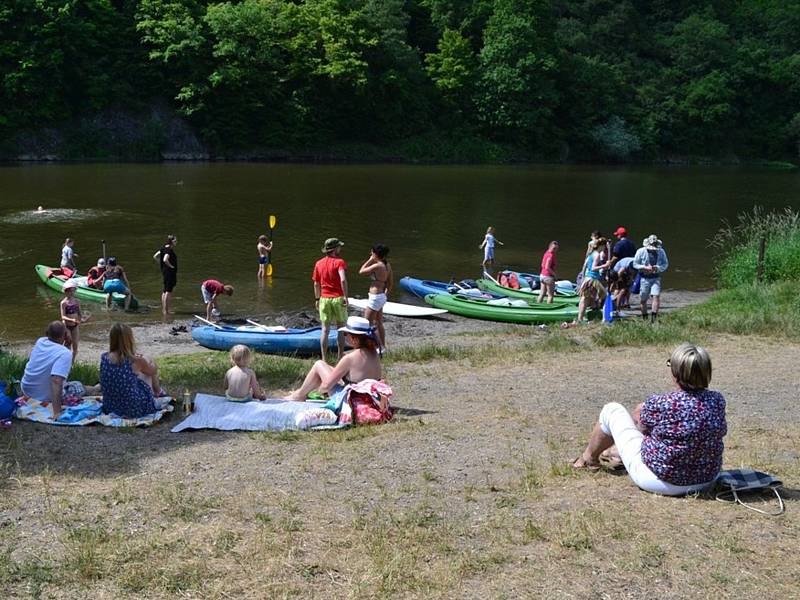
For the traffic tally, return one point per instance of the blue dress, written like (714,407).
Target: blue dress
(124,393)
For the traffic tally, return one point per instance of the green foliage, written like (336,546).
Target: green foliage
(585,78)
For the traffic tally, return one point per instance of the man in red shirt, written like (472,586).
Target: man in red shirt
(330,291)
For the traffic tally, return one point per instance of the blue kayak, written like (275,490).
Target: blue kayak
(280,341)
(422,287)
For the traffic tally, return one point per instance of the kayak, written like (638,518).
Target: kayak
(273,340)
(54,278)
(530,295)
(422,287)
(398,309)
(490,310)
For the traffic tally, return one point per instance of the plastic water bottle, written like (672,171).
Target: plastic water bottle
(187,401)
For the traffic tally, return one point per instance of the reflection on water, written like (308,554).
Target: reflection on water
(432,218)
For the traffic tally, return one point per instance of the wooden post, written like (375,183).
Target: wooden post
(762,245)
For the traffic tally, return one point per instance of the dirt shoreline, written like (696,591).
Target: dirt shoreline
(156,340)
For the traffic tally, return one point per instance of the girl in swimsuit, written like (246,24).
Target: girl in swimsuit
(363,362)
(380,272)
(71,315)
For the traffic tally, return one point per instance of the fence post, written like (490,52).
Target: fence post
(762,245)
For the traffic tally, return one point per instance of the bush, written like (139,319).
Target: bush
(739,244)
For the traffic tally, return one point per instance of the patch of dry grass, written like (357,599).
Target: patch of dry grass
(465,499)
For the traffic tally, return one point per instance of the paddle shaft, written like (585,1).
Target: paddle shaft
(104,248)
(214,325)
(264,327)
(273,221)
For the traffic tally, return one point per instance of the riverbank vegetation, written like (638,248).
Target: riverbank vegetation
(471,80)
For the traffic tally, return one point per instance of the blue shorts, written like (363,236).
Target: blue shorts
(262,260)
(114,285)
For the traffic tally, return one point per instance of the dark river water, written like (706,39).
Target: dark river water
(433,219)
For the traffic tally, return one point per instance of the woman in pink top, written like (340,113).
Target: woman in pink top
(547,277)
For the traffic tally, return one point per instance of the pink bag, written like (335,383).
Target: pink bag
(367,410)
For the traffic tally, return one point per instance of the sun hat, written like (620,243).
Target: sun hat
(651,242)
(70,284)
(101,262)
(621,232)
(357,326)
(332,244)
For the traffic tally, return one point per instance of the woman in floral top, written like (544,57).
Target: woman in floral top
(672,445)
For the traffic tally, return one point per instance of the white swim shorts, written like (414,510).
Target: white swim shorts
(376,301)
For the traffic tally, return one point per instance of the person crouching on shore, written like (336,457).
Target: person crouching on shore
(211,290)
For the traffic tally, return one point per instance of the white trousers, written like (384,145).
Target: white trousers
(618,423)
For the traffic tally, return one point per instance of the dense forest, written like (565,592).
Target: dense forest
(450,79)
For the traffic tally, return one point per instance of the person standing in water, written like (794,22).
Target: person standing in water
(116,281)
(487,245)
(264,247)
(330,292)
(380,272)
(68,255)
(168,262)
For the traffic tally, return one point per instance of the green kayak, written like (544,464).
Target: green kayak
(488,285)
(54,278)
(484,308)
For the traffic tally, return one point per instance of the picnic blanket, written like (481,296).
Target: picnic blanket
(86,413)
(341,410)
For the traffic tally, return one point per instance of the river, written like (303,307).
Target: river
(432,218)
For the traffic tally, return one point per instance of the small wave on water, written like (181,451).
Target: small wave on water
(54,215)
(5,257)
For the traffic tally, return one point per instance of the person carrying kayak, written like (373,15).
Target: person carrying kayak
(211,290)
(96,275)
(330,293)
(116,281)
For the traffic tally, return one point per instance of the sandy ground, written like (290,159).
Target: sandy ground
(466,494)
(159,340)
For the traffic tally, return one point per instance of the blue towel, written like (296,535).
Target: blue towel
(85,410)
(337,397)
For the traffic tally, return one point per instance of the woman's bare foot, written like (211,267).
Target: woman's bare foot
(583,463)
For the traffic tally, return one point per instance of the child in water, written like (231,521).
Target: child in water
(487,245)
(241,384)
(71,315)
(264,247)
(68,255)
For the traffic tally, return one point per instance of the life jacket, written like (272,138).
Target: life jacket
(94,274)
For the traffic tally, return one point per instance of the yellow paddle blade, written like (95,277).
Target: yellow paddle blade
(273,220)
(269,269)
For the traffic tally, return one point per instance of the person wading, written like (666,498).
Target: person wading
(330,292)
(168,262)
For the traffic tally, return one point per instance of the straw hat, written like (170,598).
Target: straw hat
(651,242)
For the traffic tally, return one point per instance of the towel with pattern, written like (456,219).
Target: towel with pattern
(215,412)
(86,413)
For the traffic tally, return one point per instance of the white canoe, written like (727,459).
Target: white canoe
(400,310)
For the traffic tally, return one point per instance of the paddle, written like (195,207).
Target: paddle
(104,248)
(275,329)
(273,221)
(214,325)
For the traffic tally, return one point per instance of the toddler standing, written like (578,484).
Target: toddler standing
(241,384)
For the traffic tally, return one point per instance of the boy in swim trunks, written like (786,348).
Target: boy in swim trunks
(330,291)
(264,247)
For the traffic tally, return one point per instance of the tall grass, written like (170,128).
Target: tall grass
(768,310)
(739,245)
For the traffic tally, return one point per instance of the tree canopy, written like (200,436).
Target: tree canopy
(588,79)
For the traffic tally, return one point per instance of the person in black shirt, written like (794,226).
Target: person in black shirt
(168,261)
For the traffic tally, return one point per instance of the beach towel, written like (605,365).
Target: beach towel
(88,412)
(215,412)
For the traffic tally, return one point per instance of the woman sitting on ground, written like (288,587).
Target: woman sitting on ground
(363,362)
(129,380)
(673,443)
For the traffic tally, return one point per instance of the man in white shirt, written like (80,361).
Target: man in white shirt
(48,368)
